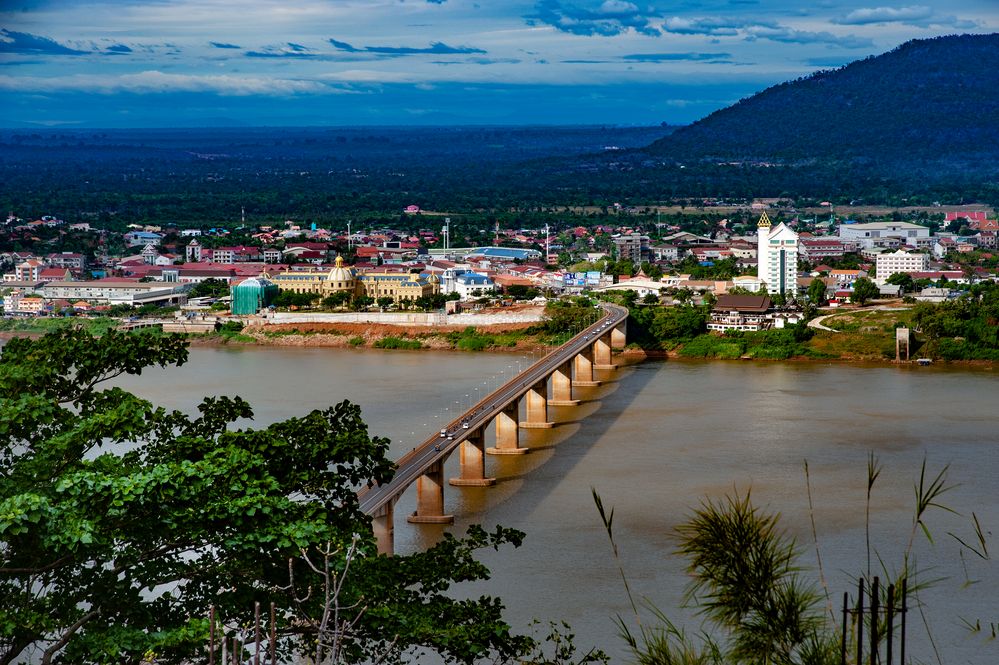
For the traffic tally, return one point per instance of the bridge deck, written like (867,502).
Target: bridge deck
(415,463)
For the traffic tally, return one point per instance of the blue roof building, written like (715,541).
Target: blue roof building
(505,253)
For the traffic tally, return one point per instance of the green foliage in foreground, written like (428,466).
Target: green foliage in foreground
(746,582)
(760,606)
(121,522)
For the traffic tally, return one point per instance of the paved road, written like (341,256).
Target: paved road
(413,464)
(817,322)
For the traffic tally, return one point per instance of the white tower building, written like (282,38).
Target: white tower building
(777,257)
(194,251)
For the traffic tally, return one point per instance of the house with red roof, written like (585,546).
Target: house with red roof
(972,216)
(52,274)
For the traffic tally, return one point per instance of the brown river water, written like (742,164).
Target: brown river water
(656,439)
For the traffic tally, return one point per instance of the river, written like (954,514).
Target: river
(654,441)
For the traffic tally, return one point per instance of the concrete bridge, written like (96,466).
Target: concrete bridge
(570,365)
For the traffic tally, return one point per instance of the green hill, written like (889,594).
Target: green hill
(927,109)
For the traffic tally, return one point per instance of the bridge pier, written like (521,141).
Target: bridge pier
(508,431)
(384,528)
(472,455)
(562,386)
(430,497)
(602,352)
(619,335)
(583,365)
(537,407)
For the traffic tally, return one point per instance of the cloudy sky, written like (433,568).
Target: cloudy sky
(348,62)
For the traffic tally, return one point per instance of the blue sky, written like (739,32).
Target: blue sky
(124,63)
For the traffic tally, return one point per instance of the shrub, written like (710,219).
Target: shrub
(710,346)
(397,343)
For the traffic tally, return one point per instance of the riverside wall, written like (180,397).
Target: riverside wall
(431,319)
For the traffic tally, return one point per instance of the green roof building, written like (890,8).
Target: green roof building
(253,294)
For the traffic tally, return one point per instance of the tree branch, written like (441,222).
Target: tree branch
(47,656)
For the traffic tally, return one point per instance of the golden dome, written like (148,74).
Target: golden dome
(339,273)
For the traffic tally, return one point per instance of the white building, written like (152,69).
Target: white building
(193,251)
(777,257)
(115,293)
(875,233)
(466,283)
(889,263)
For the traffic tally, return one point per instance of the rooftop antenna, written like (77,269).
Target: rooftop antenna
(350,238)
(548,243)
(447,234)
(496,239)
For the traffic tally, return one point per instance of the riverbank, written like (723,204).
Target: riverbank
(849,336)
(512,337)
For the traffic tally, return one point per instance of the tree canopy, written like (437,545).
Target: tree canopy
(121,523)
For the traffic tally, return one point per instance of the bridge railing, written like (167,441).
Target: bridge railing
(455,425)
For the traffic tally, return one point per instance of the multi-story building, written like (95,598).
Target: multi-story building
(16,302)
(740,312)
(29,271)
(398,285)
(465,283)
(667,253)
(238,254)
(889,263)
(115,292)
(194,251)
(777,257)
(633,247)
(815,250)
(68,260)
(869,235)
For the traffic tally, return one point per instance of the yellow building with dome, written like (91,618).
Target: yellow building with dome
(374,284)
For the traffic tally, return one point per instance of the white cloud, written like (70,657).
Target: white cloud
(916,15)
(159,82)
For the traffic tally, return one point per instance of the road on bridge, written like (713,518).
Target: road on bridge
(437,448)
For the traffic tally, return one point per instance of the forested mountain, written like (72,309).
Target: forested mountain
(930,103)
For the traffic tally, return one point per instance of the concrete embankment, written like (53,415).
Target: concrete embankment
(427,319)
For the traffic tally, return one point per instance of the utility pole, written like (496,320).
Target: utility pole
(350,238)
(446,231)
(548,243)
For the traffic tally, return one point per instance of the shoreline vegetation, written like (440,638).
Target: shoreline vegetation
(861,336)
